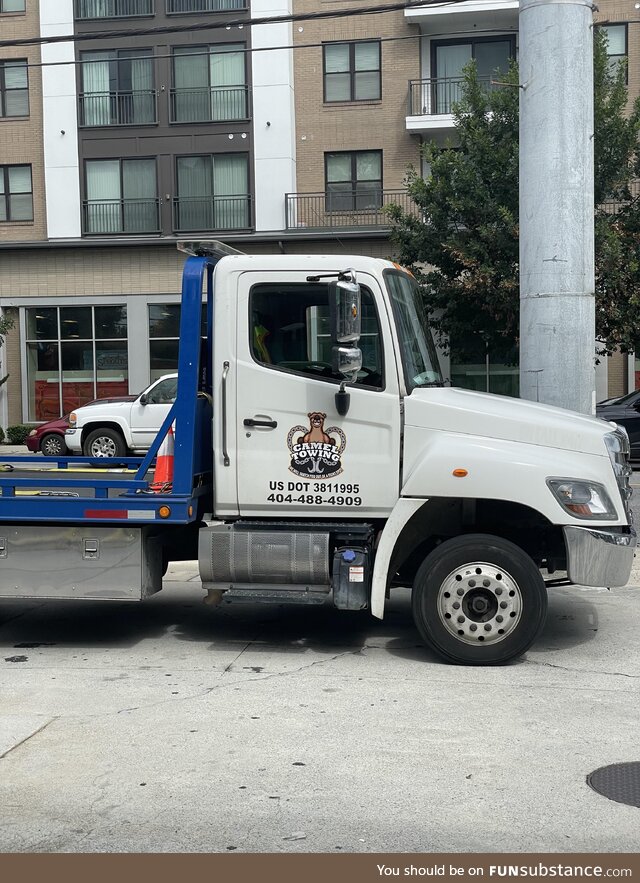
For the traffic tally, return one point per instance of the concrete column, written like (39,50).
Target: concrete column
(557,301)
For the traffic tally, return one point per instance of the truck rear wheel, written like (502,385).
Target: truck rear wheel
(479,600)
(104,443)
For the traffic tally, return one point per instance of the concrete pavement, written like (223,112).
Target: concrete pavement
(173,726)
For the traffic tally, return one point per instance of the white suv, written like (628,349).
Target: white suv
(115,429)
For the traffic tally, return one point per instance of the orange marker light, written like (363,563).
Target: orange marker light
(460,473)
(164,511)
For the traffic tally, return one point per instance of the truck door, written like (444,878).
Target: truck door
(296,456)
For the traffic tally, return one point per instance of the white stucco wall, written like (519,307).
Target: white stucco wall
(61,166)
(273,115)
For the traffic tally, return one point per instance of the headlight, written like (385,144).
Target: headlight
(582,499)
(73,418)
(33,432)
(618,447)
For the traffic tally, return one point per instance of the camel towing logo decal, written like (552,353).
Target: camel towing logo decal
(316,452)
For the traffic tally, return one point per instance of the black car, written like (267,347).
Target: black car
(626,412)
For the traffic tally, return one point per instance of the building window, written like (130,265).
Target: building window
(209,84)
(117,88)
(74,354)
(14,89)
(213,192)
(186,6)
(164,337)
(12,5)
(90,9)
(492,56)
(353,180)
(616,45)
(16,193)
(121,196)
(352,71)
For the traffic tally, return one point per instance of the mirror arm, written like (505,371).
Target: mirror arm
(343,400)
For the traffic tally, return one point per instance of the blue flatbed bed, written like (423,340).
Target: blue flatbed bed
(82,489)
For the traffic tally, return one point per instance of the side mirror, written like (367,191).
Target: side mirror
(143,399)
(344,310)
(346,325)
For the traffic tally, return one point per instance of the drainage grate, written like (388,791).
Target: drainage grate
(619,782)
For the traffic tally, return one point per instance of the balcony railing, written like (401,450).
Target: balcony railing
(86,10)
(207,213)
(344,209)
(178,6)
(210,105)
(121,216)
(118,108)
(438,95)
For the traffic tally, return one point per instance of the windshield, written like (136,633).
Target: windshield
(419,356)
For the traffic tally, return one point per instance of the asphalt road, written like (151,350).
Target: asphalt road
(172,726)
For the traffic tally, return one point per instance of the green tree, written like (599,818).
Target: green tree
(461,241)
(6,324)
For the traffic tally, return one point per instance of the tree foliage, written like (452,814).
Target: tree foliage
(6,324)
(461,242)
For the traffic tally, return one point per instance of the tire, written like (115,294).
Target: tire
(104,443)
(53,445)
(479,600)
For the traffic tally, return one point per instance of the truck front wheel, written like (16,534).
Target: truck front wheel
(104,443)
(479,600)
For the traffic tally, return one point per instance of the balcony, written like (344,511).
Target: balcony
(209,213)
(464,16)
(218,104)
(175,7)
(431,103)
(345,210)
(118,108)
(88,10)
(120,216)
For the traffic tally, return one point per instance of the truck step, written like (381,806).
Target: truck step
(256,596)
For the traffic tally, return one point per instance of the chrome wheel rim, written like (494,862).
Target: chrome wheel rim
(52,447)
(103,446)
(479,603)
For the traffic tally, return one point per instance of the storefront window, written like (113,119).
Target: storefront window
(74,355)
(164,338)
(476,366)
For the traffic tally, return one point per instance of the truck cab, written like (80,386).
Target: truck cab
(469,498)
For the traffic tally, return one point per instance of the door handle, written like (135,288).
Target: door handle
(225,453)
(270,424)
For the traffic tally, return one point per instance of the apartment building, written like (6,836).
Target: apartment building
(151,121)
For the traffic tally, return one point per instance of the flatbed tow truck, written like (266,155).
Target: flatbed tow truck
(320,458)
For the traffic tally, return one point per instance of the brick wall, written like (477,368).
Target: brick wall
(368,125)
(21,140)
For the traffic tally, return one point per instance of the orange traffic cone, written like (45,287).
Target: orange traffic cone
(163,477)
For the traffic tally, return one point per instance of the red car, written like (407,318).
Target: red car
(49,437)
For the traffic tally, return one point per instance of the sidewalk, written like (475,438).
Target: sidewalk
(10,450)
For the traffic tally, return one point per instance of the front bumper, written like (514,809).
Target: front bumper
(73,440)
(599,556)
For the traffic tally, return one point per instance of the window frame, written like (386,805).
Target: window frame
(122,198)
(617,56)
(473,41)
(6,195)
(59,340)
(248,195)
(209,49)
(352,72)
(336,381)
(4,11)
(354,179)
(4,90)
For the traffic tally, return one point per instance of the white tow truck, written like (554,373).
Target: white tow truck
(320,458)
